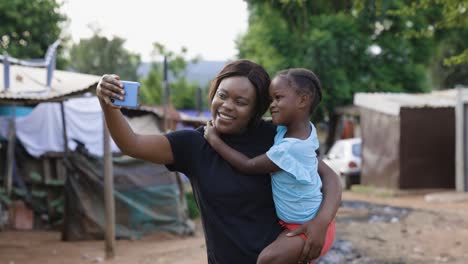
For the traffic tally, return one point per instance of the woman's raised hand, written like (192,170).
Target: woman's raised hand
(109,87)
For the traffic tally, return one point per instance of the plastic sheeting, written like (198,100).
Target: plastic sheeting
(42,131)
(148,198)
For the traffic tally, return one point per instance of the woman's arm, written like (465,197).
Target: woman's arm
(331,189)
(316,228)
(154,148)
(242,163)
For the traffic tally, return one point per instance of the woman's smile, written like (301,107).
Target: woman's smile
(225,116)
(233,105)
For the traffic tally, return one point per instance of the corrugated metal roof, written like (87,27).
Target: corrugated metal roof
(390,103)
(174,114)
(29,84)
(171,112)
(193,119)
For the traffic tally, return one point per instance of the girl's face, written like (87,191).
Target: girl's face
(233,105)
(284,101)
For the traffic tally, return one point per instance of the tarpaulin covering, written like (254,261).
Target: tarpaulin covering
(41,131)
(148,198)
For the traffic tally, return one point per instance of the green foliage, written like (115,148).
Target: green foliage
(151,91)
(4,197)
(265,29)
(453,13)
(99,55)
(192,206)
(28,27)
(22,193)
(182,93)
(457,59)
(443,15)
(35,177)
(438,25)
(336,45)
(448,67)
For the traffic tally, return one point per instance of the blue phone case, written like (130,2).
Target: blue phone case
(131,95)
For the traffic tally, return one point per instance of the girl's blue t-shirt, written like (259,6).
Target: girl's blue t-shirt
(297,187)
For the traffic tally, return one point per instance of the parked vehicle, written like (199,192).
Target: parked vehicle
(344,158)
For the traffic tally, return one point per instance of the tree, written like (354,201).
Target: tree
(99,55)
(449,75)
(151,91)
(28,27)
(451,14)
(333,43)
(350,52)
(442,23)
(182,93)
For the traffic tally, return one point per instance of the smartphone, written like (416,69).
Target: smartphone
(130,98)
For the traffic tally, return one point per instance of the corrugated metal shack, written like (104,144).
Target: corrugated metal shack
(409,140)
(25,85)
(28,84)
(31,85)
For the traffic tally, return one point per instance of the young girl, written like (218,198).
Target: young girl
(292,160)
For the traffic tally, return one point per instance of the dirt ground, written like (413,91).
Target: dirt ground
(428,232)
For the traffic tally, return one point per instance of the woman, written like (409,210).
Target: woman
(237,210)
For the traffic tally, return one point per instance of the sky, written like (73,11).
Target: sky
(207,28)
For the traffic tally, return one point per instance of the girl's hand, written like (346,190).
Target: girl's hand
(211,135)
(315,231)
(109,87)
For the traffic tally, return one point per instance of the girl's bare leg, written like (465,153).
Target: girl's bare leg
(283,250)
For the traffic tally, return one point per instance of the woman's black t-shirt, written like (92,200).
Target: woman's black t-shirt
(237,210)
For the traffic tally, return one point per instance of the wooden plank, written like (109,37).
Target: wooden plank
(46,170)
(109,196)
(10,153)
(61,171)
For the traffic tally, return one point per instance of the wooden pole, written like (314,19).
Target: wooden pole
(460,143)
(109,196)
(6,71)
(64,132)
(10,152)
(165,95)
(64,127)
(199,101)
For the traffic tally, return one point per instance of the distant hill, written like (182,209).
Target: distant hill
(202,72)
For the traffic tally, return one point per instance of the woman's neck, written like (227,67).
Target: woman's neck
(236,134)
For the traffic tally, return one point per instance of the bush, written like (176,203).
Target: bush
(192,206)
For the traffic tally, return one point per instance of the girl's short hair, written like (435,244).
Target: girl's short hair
(259,78)
(305,82)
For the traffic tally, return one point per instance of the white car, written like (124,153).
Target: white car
(344,158)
